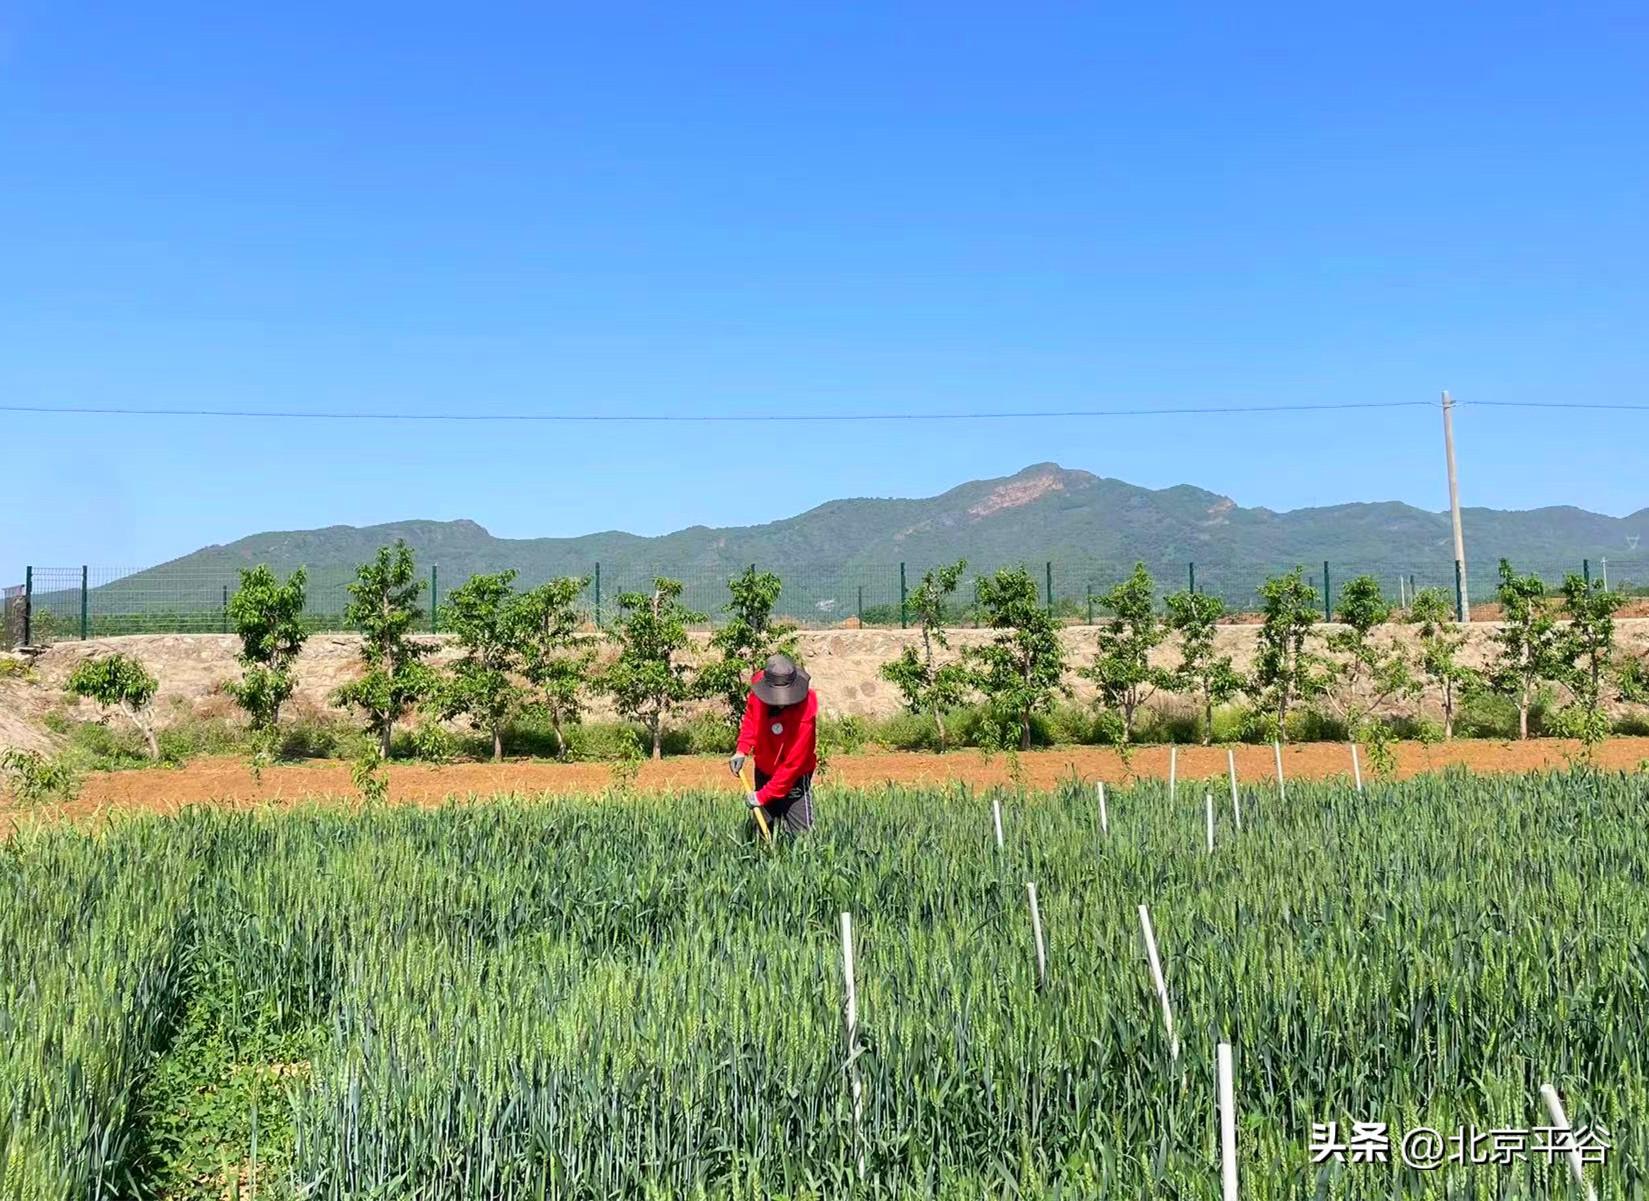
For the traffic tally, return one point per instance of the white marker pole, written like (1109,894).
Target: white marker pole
(1231,767)
(1228,1126)
(1156,978)
(1208,801)
(1356,767)
(1554,1106)
(996,816)
(853,1038)
(1173,772)
(1104,818)
(1036,929)
(1278,748)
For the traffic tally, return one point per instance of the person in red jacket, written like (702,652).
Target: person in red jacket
(781,717)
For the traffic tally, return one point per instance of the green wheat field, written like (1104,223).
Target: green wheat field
(623,997)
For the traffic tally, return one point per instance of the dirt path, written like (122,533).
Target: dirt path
(228,781)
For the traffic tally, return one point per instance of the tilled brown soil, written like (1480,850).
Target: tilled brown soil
(228,781)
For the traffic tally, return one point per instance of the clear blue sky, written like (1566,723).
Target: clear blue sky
(772,208)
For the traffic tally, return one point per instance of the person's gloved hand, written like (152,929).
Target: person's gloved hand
(752,801)
(736,764)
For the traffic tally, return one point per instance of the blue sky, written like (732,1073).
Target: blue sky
(784,208)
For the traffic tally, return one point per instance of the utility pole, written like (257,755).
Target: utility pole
(1464,613)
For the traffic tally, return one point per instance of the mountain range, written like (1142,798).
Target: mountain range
(1091,528)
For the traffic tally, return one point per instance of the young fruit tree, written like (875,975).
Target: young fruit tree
(1286,670)
(383,605)
(1202,673)
(1019,670)
(268,618)
(648,680)
(555,655)
(927,685)
(119,682)
(743,644)
(1368,676)
(1530,643)
(1586,657)
(1440,641)
(1121,670)
(482,685)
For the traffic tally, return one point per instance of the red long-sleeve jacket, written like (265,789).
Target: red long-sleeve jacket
(783,741)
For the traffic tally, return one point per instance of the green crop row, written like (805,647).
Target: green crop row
(624,997)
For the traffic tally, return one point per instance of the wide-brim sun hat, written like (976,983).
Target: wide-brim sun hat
(782,682)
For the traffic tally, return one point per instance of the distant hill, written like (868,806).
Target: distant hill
(1092,528)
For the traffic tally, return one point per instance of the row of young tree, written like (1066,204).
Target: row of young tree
(521,654)
(1566,639)
(531,654)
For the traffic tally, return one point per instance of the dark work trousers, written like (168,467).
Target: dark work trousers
(793,812)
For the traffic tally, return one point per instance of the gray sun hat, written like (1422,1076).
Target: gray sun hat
(782,682)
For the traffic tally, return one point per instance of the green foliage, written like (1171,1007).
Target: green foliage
(648,680)
(384,607)
(1018,672)
(15,669)
(1587,658)
(119,682)
(1368,676)
(267,616)
(481,684)
(555,655)
(1531,645)
(1121,671)
(444,1003)
(1286,670)
(1202,672)
(1441,638)
(367,775)
(31,777)
(927,685)
(744,642)
(433,743)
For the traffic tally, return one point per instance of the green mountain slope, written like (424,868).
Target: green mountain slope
(1092,529)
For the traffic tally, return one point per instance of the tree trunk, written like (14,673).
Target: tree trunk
(939,725)
(1448,711)
(1522,718)
(143,728)
(1207,719)
(1025,732)
(498,744)
(383,739)
(560,738)
(658,737)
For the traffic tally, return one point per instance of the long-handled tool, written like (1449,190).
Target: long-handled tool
(747,777)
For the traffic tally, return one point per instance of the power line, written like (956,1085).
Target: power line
(707,418)
(1554,404)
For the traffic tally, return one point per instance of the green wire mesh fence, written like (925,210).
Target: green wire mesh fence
(57,603)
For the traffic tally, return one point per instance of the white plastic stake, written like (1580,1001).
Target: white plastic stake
(1278,748)
(1104,818)
(853,1036)
(1356,767)
(996,816)
(1156,978)
(1228,1126)
(1208,800)
(1554,1106)
(1036,928)
(1231,769)
(1173,772)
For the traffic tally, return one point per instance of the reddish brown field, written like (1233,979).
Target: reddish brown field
(227,781)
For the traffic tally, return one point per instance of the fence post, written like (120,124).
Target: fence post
(434,599)
(1586,571)
(861,606)
(1192,568)
(598,596)
(85,624)
(225,610)
(1050,585)
(28,606)
(1090,588)
(1459,594)
(1328,595)
(902,596)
